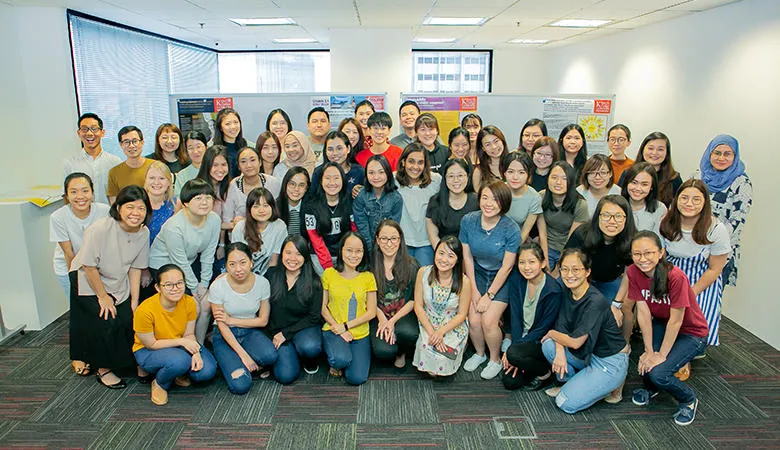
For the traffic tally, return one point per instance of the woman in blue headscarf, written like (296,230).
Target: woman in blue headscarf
(731,192)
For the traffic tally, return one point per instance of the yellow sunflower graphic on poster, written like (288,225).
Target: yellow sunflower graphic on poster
(594,126)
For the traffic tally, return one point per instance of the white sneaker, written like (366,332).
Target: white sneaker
(505,344)
(491,370)
(475,361)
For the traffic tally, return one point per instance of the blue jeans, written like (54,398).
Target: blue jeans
(169,363)
(423,255)
(354,357)
(587,383)
(552,257)
(255,343)
(608,289)
(306,344)
(662,376)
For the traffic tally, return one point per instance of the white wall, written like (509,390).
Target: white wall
(695,77)
(519,71)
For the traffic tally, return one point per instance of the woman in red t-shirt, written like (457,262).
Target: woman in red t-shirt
(673,327)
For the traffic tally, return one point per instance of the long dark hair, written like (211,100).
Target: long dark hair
(205,169)
(400,174)
(593,238)
(444,190)
(390,185)
(659,286)
(336,134)
(308,281)
(284,115)
(181,154)
(666,172)
(671,224)
(219,136)
(261,140)
(253,239)
(283,204)
(532,123)
(453,243)
(319,203)
(404,266)
(582,154)
(484,160)
(572,196)
(361,137)
(651,201)
(363,265)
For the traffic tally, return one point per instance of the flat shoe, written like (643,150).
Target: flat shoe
(146,379)
(83,370)
(183,381)
(120,385)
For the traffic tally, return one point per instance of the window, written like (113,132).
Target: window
(267,72)
(442,72)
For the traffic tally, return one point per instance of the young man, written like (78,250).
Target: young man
(92,160)
(319,126)
(379,125)
(408,114)
(363,111)
(133,170)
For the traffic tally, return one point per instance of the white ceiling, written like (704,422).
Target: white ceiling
(205,22)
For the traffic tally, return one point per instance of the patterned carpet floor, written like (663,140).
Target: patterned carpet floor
(43,404)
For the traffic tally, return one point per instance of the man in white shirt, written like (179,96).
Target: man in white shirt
(92,160)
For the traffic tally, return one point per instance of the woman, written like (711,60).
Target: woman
(596,181)
(295,185)
(426,129)
(295,321)
(297,152)
(278,123)
(337,149)
(673,327)
(619,138)
(544,153)
(447,208)
(165,343)
(270,150)
(348,304)
(460,147)
(239,302)
(416,185)
(378,200)
(261,231)
(169,148)
(195,142)
(354,131)
(731,193)
(105,286)
(473,123)
(491,149)
(575,147)
(699,244)
(563,210)
(214,171)
(657,151)
(395,330)
(640,188)
(586,347)
(532,131)
(534,301)
(442,295)
(526,206)
(251,178)
(228,132)
(159,187)
(490,241)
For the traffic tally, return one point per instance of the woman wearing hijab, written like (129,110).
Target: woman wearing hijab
(731,193)
(297,152)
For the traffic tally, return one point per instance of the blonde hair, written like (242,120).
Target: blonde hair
(166,172)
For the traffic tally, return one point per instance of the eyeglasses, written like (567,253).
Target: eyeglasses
(130,142)
(529,136)
(619,140)
(392,240)
(86,130)
(695,200)
(572,270)
(599,173)
(543,155)
(456,177)
(647,254)
(606,217)
(172,286)
(720,154)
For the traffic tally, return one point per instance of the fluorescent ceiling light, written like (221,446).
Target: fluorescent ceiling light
(580,23)
(455,21)
(265,21)
(528,41)
(294,41)
(434,40)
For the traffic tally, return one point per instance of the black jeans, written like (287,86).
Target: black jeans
(530,362)
(407,330)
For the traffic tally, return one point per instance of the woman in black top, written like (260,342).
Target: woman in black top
(447,208)
(295,321)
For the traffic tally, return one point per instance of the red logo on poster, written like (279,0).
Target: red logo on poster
(468,103)
(222,103)
(602,106)
(378,101)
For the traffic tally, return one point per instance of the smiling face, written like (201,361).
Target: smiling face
(296,188)
(618,142)
(488,204)
(690,202)
(655,152)
(389,241)
(238,265)
(171,285)
(200,205)
(646,255)
(516,175)
(599,177)
(445,259)
(362,114)
(414,164)
(195,150)
(219,168)
(573,272)
(352,252)
(472,125)
(90,133)
(292,260)
(230,127)
(528,264)
(352,133)
(278,126)
(248,162)
(318,125)
(169,142)
(331,181)
(427,136)
(379,133)
(376,175)
(409,114)
(132,214)
(270,151)
(79,195)
(557,182)
(572,142)
(293,148)
(261,211)
(132,145)
(612,220)
(457,179)
(460,147)
(530,136)
(492,145)
(156,183)
(337,150)
(722,157)
(640,186)
(543,157)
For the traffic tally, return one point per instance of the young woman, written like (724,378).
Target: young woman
(442,293)
(544,153)
(337,149)
(673,327)
(354,131)
(159,187)
(327,214)
(426,129)
(619,138)
(416,184)
(239,302)
(196,143)
(270,148)
(731,193)
(473,123)
(348,304)
(261,231)
(295,185)
(491,149)
(105,286)
(490,241)
(532,131)
(534,301)
(699,244)
(526,206)
(447,208)
(395,330)
(596,181)
(297,152)
(657,150)
(295,321)
(278,123)
(169,148)
(251,177)
(563,210)
(378,200)
(214,171)
(228,132)
(640,188)
(363,111)
(586,347)
(460,146)
(574,147)
(165,343)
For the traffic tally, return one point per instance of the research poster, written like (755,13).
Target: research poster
(593,115)
(448,110)
(341,107)
(200,113)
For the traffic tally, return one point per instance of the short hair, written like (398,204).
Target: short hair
(90,115)
(501,193)
(523,159)
(427,120)
(316,109)
(365,103)
(409,103)
(129,129)
(620,126)
(285,116)
(594,163)
(380,118)
(390,184)
(195,187)
(364,264)
(579,253)
(129,194)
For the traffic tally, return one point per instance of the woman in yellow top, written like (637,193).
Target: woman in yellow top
(165,343)
(348,304)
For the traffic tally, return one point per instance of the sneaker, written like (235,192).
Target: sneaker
(505,344)
(475,361)
(491,370)
(553,391)
(400,361)
(686,413)
(684,373)
(311,368)
(700,356)
(642,397)
(159,395)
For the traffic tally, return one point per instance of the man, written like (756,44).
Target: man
(319,126)
(379,125)
(92,160)
(408,113)
(133,170)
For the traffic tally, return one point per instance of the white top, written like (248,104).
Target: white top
(645,220)
(64,226)
(413,215)
(96,168)
(235,203)
(273,236)
(280,170)
(591,200)
(240,306)
(686,247)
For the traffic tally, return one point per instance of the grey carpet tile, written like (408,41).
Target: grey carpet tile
(654,434)
(739,434)
(393,437)
(224,436)
(256,406)
(13,357)
(81,400)
(324,436)
(600,435)
(733,332)
(51,435)
(20,398)
(397,402)
(48,363)
(718,401)
(474,402)
(137,435)
(137,406)
(481,436)
(317,403)
(5,428)
(738,360)
(57,333)
(763,392)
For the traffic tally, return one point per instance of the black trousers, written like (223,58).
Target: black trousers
(530,361)
(407,330)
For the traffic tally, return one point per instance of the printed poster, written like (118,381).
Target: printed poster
(200,113)
(447,110)
(341,107)
(592,115)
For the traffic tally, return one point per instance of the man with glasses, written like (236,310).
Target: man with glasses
(92,160)
(133,169)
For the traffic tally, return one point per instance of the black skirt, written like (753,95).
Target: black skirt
(98,342)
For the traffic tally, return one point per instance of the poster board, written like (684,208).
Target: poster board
(594,113)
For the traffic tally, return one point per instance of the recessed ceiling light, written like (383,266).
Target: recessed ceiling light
(528,41)
(264,21)
(434,40)
(294,41)
(455,21)
(580,23)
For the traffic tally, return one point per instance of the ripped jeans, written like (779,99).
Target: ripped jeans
(259,347)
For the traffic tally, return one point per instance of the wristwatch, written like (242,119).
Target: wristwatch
(490,295)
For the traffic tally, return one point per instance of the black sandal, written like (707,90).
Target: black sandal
(99,376)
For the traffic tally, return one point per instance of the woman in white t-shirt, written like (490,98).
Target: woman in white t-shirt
(262,230)
(640,188)
(416,184)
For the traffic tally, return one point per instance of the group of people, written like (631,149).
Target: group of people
(345,243)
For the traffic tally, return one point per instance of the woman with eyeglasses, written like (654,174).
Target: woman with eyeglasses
(596,181)
(619,138)
(447,208)
(544,153)
(532,131)
(295,185)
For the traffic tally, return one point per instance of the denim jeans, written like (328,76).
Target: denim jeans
(587,383)
(306,344)
(169,363)
(354,357)
(608,289)
(662,376)
(552,257)
(423,255)
(259,347)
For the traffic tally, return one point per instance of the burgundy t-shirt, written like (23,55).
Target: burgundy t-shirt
(680,296)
